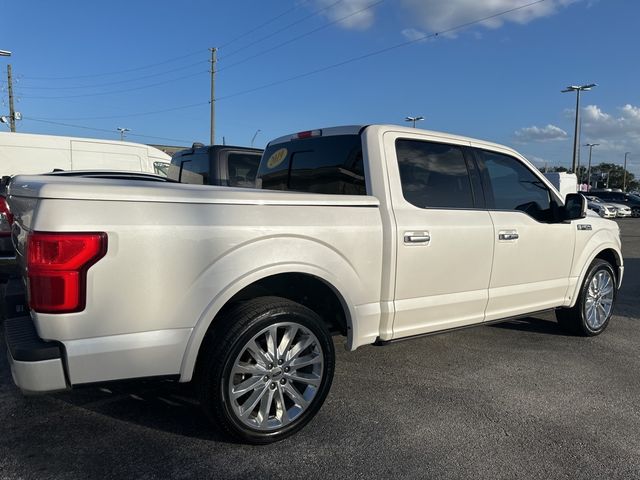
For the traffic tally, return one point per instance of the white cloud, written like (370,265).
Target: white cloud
(617,132)
(540,134)
(438,16)
(413,35)
(354,13)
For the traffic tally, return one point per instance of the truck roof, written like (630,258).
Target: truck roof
(357,129)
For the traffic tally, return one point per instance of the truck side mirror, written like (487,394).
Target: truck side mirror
(575,206)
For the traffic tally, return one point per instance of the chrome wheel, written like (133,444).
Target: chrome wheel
(276,376)
(599,299)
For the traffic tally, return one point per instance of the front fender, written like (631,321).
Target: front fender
(600,241)
(267,256)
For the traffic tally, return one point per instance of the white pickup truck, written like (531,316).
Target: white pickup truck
(376,233)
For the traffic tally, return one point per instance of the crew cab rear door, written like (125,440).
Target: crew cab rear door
(444,234)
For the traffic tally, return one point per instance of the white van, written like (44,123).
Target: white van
(26,153)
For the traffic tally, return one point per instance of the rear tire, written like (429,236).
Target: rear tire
(266,369)
(593,309)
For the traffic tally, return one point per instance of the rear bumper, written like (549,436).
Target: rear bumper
(36,365)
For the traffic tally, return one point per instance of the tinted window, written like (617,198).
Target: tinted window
(195,168)
(433,174)
(510,185)
(330,164)
(242,169)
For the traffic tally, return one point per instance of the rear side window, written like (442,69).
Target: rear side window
(195,168)
(242,169)
(330,165)
(433,175)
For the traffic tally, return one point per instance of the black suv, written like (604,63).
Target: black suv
(222,165)
(633,201)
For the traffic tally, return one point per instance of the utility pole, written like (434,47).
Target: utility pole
(12,112)
(624,181)
(213,97)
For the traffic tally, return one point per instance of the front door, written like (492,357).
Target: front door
(533,251)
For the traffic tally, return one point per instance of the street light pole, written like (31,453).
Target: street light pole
(123,132)
(590,145)
(414,119)
(576,133)
(254,136)
(624,180)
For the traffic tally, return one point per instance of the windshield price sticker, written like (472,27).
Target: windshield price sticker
(277,158)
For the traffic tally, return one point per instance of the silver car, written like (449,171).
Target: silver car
(605,210)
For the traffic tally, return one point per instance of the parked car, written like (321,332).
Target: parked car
(622,210)
(378,233)
(222,165)
(632,201)
(605,210)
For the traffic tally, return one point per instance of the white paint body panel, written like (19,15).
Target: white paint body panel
(177,253)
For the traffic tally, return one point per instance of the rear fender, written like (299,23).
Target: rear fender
(261,258)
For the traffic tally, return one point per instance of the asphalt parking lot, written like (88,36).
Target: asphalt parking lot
(513,400)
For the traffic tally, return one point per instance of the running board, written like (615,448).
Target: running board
(384,343)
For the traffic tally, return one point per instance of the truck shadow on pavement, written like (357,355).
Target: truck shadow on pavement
(159,405)
(547,326)
(628,302)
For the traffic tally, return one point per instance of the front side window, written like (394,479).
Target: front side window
(510,185)
(433,175)
(195,168)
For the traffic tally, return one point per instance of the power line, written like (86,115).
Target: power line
(142,87)
(286,27)
(104,74)
(380,51)
(97,85)
(262,25)
(139,114)
(294,39)
(102,129)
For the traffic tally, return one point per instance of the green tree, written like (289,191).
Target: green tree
(610,175)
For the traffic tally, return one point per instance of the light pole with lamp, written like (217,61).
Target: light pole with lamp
(414,119)
(254,136)
(123,132)
(624,178)
(576,133)
(590,145)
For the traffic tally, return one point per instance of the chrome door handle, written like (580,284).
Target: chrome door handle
(507,235)
(417,238)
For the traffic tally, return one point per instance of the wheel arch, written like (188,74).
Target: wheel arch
(312,285)
(610,253)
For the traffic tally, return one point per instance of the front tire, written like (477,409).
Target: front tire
(594,308)
(266,369)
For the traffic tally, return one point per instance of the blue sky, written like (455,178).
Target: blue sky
(111,63)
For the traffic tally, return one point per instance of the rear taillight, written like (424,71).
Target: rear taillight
(57,265)
(6,219)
